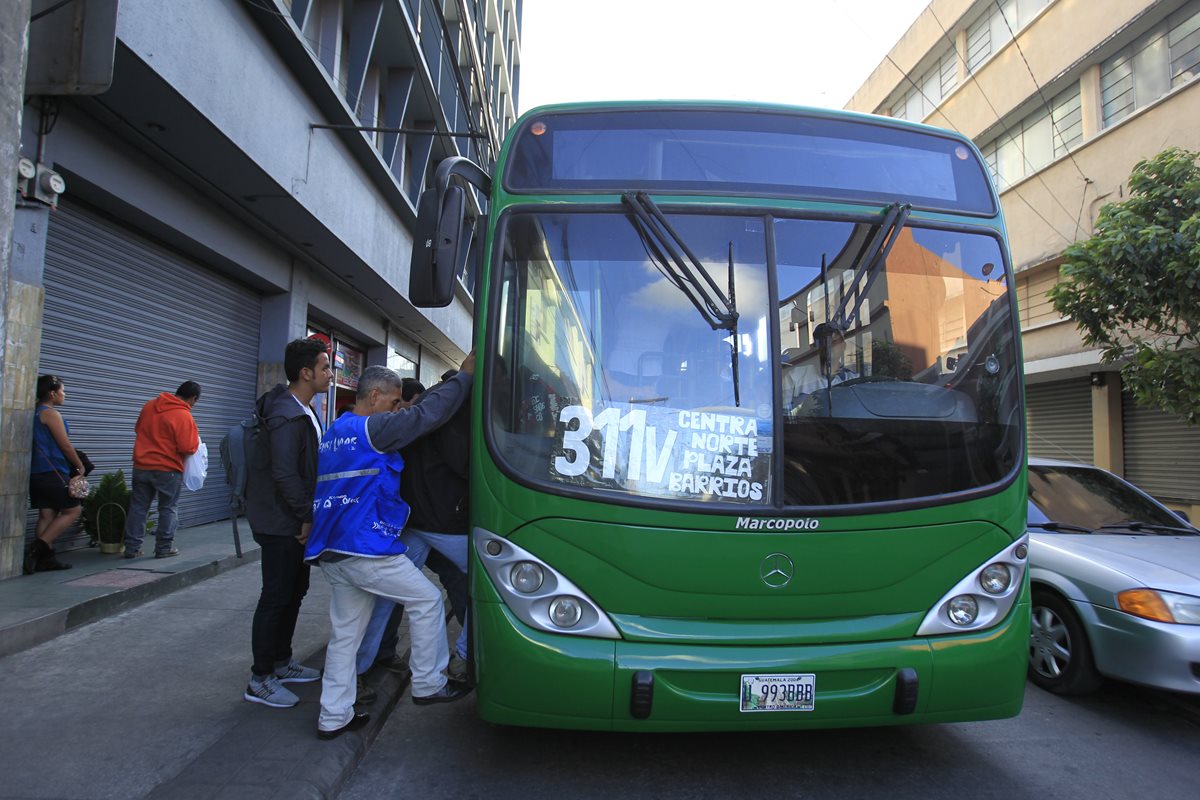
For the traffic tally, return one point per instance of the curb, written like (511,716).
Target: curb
(315,769)
(32,632)
(327,774)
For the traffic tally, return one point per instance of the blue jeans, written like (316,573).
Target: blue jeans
(418,542)
(146,484)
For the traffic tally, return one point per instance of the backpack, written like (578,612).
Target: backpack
(245,447)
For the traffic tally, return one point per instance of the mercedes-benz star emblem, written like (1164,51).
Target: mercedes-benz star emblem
(776,570)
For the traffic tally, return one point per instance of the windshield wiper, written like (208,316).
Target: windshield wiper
(869,263)
(1054,527)
(684,271)
(734,345)
(1137,527)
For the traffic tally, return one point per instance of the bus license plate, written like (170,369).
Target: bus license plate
(779,692)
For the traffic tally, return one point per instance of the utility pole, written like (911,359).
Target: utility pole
(14,46)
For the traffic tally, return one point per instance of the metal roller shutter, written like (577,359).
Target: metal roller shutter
(127,318)
(1162,452)
(1060,420)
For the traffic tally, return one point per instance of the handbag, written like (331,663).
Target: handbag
(77,485)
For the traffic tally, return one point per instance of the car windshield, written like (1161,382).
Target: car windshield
(608,377)
(1091,498)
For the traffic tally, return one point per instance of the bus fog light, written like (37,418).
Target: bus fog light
(1021,551)
(962,610)
(493,547)
(527,577)
(995,579)
(565,612)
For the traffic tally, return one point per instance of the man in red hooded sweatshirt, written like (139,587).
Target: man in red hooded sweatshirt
(165,434)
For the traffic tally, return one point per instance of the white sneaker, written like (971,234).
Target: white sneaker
(270,692)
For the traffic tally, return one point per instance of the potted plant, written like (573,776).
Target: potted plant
(104,512)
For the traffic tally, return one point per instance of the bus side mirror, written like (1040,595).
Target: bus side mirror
(441,243)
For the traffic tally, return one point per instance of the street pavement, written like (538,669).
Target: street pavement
(135,690)
(147,701)
(1123,742)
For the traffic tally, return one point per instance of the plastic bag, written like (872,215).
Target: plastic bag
(195,469)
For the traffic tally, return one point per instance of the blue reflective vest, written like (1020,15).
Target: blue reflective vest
(357,508)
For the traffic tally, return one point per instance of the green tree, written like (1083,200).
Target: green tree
(1134,286)
(888,359)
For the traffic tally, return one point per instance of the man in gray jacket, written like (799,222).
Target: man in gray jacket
(279,498)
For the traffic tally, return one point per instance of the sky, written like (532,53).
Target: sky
(799,52)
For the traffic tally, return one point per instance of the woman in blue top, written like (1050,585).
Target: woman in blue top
(54,462)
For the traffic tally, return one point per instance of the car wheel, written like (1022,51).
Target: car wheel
(1060,658)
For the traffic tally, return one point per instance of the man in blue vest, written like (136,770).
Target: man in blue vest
(357,520)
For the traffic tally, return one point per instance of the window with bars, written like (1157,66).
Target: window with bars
(995,28)
(1036,140)
(931,88)
(1165,57)
(1183,44)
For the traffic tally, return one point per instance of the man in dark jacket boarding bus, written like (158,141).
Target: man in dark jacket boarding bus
(357,520)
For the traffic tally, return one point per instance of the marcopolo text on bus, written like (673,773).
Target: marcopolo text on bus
(777,524)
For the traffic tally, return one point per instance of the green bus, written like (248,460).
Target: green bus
(748,425)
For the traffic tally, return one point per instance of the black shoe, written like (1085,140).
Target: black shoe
(364,695)
(356,722)
(29,566)
(46,560)
(392,663)
(453,690)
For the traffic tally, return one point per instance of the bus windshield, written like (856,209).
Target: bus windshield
(885,385)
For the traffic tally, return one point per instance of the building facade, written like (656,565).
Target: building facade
(1063,98)
(248,176)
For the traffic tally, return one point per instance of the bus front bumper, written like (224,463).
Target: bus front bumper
(528,677)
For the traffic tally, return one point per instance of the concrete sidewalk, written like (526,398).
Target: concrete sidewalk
(36,608)
(146,701)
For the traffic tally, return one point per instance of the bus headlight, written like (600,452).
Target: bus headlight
(962,610)
(995,578)
(565,611)
(527,577)
(536,593)
(983,597)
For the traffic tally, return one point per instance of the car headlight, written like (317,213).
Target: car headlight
(539,595)
(1182,609)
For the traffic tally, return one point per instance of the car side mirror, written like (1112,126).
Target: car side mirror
(1183,516)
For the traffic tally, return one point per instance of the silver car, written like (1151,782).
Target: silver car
(1115,578)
